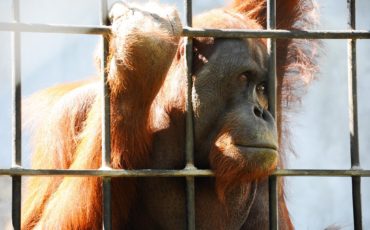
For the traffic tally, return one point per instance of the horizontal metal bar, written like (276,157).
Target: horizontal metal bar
(237,33)
(46,28)
(107,173)
(173,173)
(322,172)
(191,32)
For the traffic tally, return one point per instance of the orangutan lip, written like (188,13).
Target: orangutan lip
(258,146)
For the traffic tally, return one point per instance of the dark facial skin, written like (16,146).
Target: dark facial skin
(231,122)
(230,99)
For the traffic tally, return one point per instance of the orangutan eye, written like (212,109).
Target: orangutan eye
(261,88)
(246,75)
(243,78)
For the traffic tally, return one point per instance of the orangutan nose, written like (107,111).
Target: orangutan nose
(258,112)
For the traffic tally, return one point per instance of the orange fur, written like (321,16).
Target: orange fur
(71,136)
(67,119)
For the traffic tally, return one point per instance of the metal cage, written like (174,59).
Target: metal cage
(190,171)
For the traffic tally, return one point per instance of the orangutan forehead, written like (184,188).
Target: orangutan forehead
(237,53)
(225,19)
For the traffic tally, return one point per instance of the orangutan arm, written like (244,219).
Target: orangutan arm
(142,47)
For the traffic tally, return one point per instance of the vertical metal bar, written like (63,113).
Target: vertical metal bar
(271,46)
(190,200)
(16,202)
(273,203)
(16,120)
(353,117)
(106,136)
(106,146)
(16,87)
(273,183)
(190,188)
(107,203)
(189,104)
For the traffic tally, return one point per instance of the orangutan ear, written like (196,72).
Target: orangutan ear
(287,11)
(117,10)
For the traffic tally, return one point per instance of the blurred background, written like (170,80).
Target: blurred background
(320,130)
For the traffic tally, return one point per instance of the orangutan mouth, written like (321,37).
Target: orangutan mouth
(260,147)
